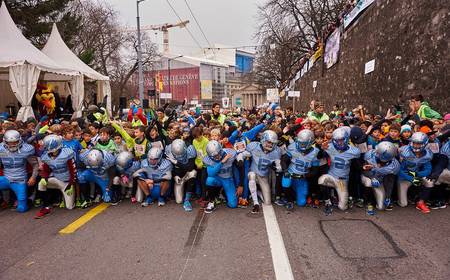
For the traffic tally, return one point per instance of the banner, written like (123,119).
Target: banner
(238,101)
(225,102)
(310,63)
(332,49)
(362,5)
(206,88)
(318,54)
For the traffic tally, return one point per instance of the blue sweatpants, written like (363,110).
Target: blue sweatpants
(229,187)
(300,187)
(20,189)
(87,176)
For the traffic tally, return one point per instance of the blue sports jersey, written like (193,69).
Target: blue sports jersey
(340,162)
(411,162)
(379,172)
(58,165)
(190,153)
(301,164)
(445,150)
(226,171)
(102,171)
(261,160)
(15,163)
(133,168)
(74,145)
(158,173)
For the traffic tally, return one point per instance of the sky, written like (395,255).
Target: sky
(226,22)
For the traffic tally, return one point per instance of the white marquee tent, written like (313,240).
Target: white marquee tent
(23,65)
(58,51)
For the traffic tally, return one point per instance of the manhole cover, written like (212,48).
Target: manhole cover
(360,239)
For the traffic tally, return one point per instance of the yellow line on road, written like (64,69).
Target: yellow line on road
(84,219)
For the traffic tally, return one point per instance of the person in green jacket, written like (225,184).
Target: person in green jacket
(105,142)
(423,108)
(199,143)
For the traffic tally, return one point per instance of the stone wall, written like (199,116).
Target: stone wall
(408,40)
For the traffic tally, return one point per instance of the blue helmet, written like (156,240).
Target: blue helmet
(52,143)
(420,140)
(304,139)
(154,153)
(340,138)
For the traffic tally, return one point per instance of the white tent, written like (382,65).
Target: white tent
(21,63)
(56,49)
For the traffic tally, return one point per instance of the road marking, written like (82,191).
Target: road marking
(280,259)
(84,219)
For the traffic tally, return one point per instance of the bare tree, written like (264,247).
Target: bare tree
(286,32)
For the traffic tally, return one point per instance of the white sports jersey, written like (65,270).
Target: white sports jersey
(15,163)
(261,160)
(58,165)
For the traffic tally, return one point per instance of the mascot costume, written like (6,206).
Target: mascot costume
(46,102)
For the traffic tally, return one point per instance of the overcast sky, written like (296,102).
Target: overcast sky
(227,22)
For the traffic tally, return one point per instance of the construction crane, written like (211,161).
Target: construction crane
(161,27)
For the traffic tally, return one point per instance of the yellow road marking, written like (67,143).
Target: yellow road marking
(30,263)
(84,219)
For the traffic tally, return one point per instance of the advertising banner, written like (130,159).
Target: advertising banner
(318,54)
(206,89)
(238,101)
(362,5)
(332,49)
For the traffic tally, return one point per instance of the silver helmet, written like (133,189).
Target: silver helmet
(418,142)
(385,151)
(213,149)
(154,154)
(179,149)
(124,160)
(340,138)
(11,137)
(95,158)
(52,143)
(269,140)
(304,139)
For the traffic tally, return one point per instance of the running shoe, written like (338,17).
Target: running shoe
(309,201)
(255,209)
(187,206)
(222,198)
(350,202)
(78,203)
(360,202)
(97,198)
(369,210)
(203,205)
(44,212)
(37,203)
(133,199)
(422,207)
(199,200)
(86,204)
(5,204)
(242,203)
(289,207)
(161,201)
(435,205)
(442,204)
(316,203)
(14,207)
(211,207)
(328,209)
(148,201)
(62,204)
(114,201)
(279,202)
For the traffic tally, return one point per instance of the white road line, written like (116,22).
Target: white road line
(280,258)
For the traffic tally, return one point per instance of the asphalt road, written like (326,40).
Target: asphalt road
(129,241)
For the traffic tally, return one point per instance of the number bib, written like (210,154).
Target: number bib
(434,147)
(199,153)
(140,149)
(240,146)
(283,149)
(362,147)
(157,144)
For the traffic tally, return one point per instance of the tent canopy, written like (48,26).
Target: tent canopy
(56,49)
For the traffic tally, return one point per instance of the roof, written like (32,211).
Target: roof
(15,49)
(194,60)
(56,49)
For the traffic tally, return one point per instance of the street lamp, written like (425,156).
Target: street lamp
(141,79)
(168,64)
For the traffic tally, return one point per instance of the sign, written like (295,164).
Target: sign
(225,102)
(238,101)
(353,15)
(272,95)
(318,53)
(206,87)
(291,93)
(369,67)
(297,93)
(314,84)
(164,95)
(332,49)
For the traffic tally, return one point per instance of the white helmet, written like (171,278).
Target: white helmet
(95,158)
(213,149)
(304,139)
(12,136)
(269,140)
(337,137)
(385,151)
(52,143)
(124,160)
(419,138)
(179,149)
(154,154)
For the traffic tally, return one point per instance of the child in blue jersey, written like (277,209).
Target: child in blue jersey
(264,154)
(441,172)
(14,155)
(341,155)
(415,167)
(300,164)
(69,142)
(381,168)
(219,166)
(154,177)
(126,167)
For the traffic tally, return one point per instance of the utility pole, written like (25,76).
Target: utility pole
(141,79)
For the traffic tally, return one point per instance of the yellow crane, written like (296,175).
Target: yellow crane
(164,28)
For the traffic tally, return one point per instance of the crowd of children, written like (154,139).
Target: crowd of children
(267,155)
